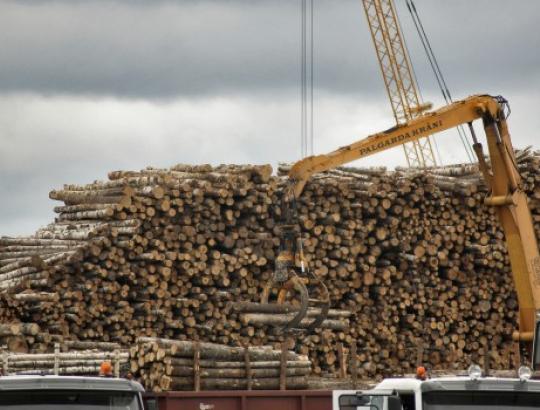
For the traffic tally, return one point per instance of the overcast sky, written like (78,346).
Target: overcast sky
(91,86)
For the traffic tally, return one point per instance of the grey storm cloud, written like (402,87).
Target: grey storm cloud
(165,49)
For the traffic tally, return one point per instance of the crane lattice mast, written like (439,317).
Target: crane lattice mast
(398,76)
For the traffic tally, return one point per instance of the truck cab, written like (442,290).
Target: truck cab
(69,392)
(471,392)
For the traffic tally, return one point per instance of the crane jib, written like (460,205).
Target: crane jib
(433,126)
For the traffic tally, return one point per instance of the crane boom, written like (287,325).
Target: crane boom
(460,112)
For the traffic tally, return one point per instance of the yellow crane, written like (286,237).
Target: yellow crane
(506,195)
(398,76)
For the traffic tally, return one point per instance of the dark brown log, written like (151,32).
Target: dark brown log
(277,320)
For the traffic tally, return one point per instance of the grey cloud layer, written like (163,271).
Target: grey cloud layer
(167,49)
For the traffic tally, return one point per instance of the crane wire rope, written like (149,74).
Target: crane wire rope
(306,78)
(302,78)
(437,72)
(405,45)
(311,78)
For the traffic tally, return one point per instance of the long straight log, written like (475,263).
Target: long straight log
(180,348)
(69,356)
(37,297)
(209,364)
(278,320)
(235,373)
(43,364)
(184,383)
(91,370)
(251,307)
(87,345)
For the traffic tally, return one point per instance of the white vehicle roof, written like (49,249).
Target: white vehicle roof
(408,384)
(10,383)
(459,383)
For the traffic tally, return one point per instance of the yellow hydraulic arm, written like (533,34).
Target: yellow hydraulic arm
(501,175)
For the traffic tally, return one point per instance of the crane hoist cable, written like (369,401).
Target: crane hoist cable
(303,118)
(312,42)
(306,78)
(438,73)
(301,78)
(413,71)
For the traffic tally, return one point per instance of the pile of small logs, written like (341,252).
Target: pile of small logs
(411,258)
(17,336)
(165,364)
(23,336)
(76,362)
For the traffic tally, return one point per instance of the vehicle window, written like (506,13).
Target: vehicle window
(480,400)
(68,400)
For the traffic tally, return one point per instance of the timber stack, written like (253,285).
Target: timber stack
(78,361)
(411,258)
(165,364)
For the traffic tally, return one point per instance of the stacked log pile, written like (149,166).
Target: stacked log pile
(165,364)
(21,337)
(415,258)
(74,362)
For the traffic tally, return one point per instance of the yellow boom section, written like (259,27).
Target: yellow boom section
(450,116)
(501,175)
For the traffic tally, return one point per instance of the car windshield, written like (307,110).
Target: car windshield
(68,400)
(480,400)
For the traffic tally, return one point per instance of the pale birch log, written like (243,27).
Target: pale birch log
(174,361)
(215,351)
(235,373)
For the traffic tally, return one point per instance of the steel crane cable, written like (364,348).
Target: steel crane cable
(419,91)
(437,71)
(311,40)
(306,78)
(302,77)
